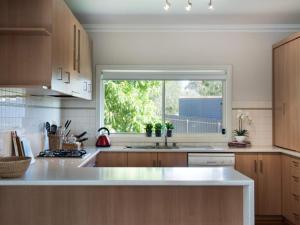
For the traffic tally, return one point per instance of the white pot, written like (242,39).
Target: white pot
(240,139)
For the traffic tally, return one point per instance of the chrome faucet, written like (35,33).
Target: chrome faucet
(166,140)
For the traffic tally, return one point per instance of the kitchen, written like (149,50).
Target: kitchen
(198,67)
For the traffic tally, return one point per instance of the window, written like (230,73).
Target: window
(197,102)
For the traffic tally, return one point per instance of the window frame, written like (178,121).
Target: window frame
(196,72)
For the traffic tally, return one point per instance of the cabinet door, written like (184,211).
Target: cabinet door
(293,96)
(61,48)
(172,159)
(247,164)
(286,187)
(111,159)
(86,66)
(142,159)
(269,184)
(280,92)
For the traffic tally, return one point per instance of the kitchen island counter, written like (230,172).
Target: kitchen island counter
(164,196)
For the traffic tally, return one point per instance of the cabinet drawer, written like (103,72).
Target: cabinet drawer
(295,181)
(295,164)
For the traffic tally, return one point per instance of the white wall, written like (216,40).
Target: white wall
(249,53)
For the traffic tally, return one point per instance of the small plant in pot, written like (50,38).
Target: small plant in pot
(149,128)
(158,128)
(241,133)
(170,128)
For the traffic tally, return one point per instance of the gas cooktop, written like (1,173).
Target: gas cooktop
(63,153)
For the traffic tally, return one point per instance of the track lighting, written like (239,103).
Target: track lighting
(189,6)
(210,5)
(167,5)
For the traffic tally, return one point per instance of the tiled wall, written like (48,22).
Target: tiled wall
(260,130)
(83,119)
(27,115)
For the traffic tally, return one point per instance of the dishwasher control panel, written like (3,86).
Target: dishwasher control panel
(211,159)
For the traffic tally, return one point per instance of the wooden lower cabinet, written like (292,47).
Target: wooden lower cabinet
(172,159)
(111,159)
(148,159)
(265,170)
(141,159)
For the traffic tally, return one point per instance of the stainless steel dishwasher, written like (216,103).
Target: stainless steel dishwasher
(211,159)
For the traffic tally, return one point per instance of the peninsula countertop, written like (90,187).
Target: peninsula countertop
(71,171)
(68,171)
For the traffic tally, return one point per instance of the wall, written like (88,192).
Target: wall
(26,115)
(250,54)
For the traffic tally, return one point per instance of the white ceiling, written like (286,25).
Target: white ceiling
(147,11)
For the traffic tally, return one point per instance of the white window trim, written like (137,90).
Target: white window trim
(161,72)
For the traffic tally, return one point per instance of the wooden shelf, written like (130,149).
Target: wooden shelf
(24,31)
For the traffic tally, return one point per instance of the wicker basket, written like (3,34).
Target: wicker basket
(11,167)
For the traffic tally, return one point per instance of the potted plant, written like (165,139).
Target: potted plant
(241,133)
(158,127)
(149,128)
(169,127)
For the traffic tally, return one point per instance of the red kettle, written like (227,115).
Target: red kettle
(103,139)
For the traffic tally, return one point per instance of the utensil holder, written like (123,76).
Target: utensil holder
(55,142)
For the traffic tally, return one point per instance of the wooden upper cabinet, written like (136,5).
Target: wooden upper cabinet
(52,52)
(142,159)
(286,94)
(172,159)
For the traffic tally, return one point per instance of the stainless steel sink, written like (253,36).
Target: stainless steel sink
(151,147)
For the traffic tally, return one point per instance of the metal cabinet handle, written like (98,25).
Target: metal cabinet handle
(296,179)
(60,73)
(255,166)
(283,108)
(154,163)
(85,88)
(78,52)
(75,48)
(296,197)
(90,88)
(296,164)
(261,166)
(69,78)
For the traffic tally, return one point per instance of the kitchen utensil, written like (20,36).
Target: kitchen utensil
(82,140)
(48,127)
(68,133)
(67,124)
(53,129)
(81,135)
(103,139)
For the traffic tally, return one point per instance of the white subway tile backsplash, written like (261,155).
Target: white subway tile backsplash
(27,115)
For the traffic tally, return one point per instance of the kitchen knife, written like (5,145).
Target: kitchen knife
(67,124)
(48,127)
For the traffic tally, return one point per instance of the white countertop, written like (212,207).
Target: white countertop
(214,149)
(68,171)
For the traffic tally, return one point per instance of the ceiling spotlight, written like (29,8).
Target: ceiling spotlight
(210,5)
(189,6)
(167,5)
